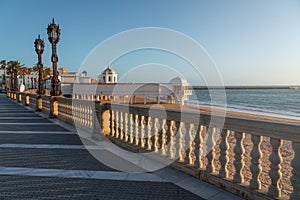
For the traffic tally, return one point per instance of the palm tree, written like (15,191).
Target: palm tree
(14,65)
(3,66)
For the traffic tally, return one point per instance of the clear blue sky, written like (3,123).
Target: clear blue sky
(253,42)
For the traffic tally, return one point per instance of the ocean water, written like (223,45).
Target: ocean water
(274,102)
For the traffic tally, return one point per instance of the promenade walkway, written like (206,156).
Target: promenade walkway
(43,158)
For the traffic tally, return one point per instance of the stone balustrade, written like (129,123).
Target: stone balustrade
(253,158)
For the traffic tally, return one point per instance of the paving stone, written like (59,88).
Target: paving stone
(27,187)
(24,127)
(64,139)
(50,158)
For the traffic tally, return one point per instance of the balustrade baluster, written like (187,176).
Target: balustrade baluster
(182,135)
(121,126)
(126,126)
(156,135)
(202,133)
(136,122)
(91,117)
(275,168)
(255,167)
(191,155)
(143,140)
(239,157)
(149,134)
(211,143)
(224,158)
(172,139)
(117,124)
(112,123)
(131,129)
(164,128)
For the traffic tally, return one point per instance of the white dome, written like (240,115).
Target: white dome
(109,70)
(179,81)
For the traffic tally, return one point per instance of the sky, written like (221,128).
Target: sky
(253,42)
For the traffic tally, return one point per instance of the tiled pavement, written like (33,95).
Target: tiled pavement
(45,159)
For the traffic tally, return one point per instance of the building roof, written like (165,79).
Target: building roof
(109,70)
(178,81)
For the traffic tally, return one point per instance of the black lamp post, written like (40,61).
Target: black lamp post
(11,79)
(15,89)
(39,49)
(53,31)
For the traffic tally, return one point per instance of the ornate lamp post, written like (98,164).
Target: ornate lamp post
(11,79)
(15,89)
(53,31)
(39,49)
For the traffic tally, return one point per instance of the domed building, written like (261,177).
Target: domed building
(180,89)
(109,75)
(179,83)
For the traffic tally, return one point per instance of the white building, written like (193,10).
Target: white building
(75,77)
(180,89)
(30,80)
(108,76)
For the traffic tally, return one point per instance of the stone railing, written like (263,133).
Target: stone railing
(253,158)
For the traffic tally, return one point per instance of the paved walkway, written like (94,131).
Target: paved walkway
(42,158)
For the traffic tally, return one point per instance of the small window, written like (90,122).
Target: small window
(109,79)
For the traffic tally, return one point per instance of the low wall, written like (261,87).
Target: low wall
(253,158)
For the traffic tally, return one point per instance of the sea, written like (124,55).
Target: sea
(272,102)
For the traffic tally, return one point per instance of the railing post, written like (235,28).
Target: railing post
(38,103)
(27,102)
(296,172)
(97,116)
(19,97)
(53,108)
(105,122)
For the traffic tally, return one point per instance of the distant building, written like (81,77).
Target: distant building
(75,77)
(108,76)
(180,89)
(30,80)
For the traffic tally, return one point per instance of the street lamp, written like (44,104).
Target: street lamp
(11,79)
(14,68)
(39,49)
(53,32)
